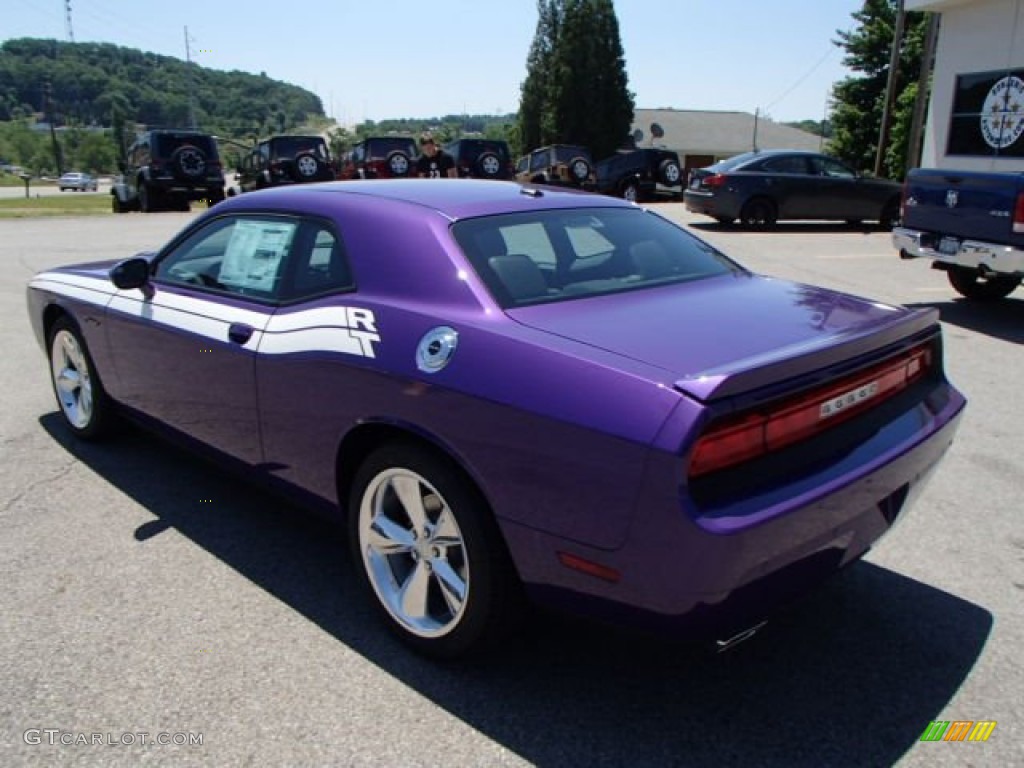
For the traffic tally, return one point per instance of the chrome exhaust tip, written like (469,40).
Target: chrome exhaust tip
(721,646)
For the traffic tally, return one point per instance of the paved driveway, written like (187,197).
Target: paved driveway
(146,592)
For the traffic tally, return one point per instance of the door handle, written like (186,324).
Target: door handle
(240,333)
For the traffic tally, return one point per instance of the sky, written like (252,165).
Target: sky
(394,58)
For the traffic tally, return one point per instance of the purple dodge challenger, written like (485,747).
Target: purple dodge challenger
(512,391)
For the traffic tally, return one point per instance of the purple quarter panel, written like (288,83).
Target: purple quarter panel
(556,433)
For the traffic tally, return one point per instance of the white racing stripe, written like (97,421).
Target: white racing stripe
(345,330)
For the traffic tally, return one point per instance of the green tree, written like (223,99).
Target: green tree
(535,124)
(858,101)
(576,89)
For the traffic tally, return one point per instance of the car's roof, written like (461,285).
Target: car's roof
(453,198)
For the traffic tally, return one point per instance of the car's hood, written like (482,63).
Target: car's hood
(729,333)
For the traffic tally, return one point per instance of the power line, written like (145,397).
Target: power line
(798,83)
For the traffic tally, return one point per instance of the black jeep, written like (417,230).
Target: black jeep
(167,169)
(285,160)
(640,174)
(481,158)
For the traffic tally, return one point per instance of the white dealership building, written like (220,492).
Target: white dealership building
(976,112)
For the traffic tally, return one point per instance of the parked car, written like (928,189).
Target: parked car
(970,224)
(560,165)
(380,157)
(603,412)
(77,182)
(168,169)
(760,188)
(285,160)
(481,158)
(640,174)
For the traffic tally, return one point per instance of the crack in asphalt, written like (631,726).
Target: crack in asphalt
(60,474)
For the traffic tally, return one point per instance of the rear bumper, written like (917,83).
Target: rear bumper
(975,254)
(692,574)
(710,204)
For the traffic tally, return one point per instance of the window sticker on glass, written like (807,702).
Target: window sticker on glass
(254,254)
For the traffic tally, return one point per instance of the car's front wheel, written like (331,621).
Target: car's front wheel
(427,548)
(80,394)
(631,191)
(972,285)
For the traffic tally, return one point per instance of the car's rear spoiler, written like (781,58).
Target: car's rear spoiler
(798,359)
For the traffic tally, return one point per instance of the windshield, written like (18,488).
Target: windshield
(567,154)
(732,162)
(380,148)
(291,146)
(166,143)
(560,255)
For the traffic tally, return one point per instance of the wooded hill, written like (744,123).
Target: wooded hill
(100,84)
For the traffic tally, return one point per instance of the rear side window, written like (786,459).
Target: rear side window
(379,149)
(166,143)
(785,164)
(550,256)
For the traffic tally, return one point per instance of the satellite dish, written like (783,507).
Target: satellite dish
(657,131)
(638,135)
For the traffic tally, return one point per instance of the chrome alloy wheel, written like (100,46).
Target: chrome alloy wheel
(71,379)
(413,553)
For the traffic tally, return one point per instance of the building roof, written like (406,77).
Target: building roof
(706,132)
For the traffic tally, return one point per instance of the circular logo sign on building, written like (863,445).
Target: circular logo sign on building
(1002,116)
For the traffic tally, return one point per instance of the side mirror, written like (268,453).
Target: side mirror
(130,273)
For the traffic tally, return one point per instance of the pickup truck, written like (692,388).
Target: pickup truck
(970,224)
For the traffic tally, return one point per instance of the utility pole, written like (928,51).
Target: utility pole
(757,113)
(58,160)
(890,87)
(931,37)
(67,21)
(191,84)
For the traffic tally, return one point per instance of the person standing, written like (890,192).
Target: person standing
(434,162)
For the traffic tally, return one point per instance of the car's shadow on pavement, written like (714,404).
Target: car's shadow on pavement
(851,677)
(1003,319)
(792,227)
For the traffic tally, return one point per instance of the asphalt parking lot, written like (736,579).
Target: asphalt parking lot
(146,592)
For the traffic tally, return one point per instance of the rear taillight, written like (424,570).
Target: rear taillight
(1018,214)
(756,434)
(718,180)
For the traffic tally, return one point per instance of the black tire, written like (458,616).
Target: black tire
(85,408)
(890,215)
(758,213)
(188,162)
(488,165)
(399,164)
(305,167)
(115,204)
(478,561)
(972,285)
(630,191)
(579,169)
(669,172)
(148,198)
